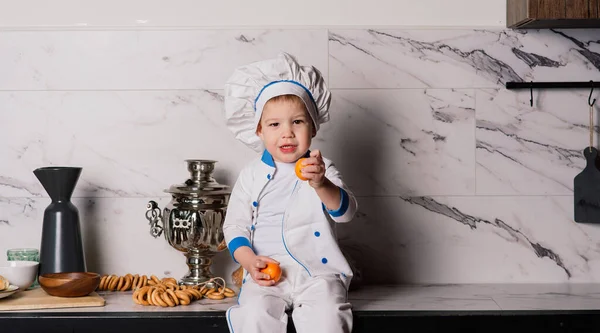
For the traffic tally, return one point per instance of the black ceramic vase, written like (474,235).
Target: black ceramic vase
(61,247)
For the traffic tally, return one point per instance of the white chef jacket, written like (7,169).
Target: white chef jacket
(306,232)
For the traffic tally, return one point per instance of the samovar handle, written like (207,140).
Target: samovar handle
(154,217)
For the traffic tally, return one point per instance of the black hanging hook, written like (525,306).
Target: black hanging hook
(531,92)
(590,102)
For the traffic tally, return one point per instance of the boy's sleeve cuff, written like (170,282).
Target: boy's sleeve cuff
(344,202)
(237,243)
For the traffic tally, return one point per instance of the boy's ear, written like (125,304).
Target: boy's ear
(259,131)
(314,132)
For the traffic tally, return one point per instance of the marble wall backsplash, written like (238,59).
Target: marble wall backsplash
(458,179)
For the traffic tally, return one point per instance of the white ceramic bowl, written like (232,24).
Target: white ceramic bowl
(19,273)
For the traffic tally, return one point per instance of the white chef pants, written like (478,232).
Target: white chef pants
(318,304)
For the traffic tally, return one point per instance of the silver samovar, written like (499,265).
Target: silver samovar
(193,221)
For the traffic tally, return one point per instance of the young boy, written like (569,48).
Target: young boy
(276,107)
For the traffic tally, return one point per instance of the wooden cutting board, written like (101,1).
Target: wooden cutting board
(39,299)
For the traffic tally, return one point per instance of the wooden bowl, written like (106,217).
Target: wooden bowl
(75,284)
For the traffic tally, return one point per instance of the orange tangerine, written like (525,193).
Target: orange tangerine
(299,169)
(273,270)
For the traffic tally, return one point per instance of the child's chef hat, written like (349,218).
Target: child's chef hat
(251,86)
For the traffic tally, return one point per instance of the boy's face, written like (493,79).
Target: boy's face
(286,130)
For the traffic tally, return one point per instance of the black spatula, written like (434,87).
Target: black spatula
(587,183)
(587,190)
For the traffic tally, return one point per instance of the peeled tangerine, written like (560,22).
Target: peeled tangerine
(273,270)
(299,168)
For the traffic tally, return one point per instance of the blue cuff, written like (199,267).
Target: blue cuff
(344,202)
(237,243)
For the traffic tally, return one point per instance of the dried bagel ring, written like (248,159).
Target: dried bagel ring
(134,282)
(155,279)
(143,296)
(184,298)
(112,284)
(151,300)
(195,293)
(203,290)
(143,281)
(169,280)
(121,283)
(167,299)
(215,296)
(156,296)
(127,284)
(135,297)
(102,282)
(173,296)
(229,293)
(130,277)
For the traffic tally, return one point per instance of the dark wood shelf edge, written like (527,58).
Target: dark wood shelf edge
(557,24)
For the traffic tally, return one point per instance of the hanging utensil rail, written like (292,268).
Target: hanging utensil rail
(554,85)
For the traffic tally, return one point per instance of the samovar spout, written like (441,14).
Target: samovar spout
(154,217)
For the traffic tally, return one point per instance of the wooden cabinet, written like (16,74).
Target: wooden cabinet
(544,14)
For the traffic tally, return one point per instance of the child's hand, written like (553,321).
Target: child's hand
(254,266)
(314,169)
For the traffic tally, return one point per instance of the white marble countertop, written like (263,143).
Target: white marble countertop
(492,297)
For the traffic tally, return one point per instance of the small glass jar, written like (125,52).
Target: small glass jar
(24,254)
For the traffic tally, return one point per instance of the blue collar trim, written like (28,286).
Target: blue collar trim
(267,158)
